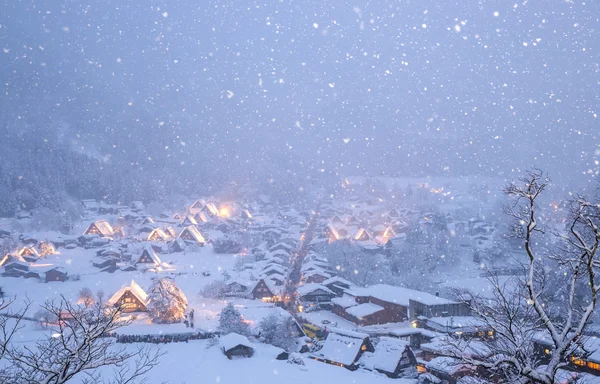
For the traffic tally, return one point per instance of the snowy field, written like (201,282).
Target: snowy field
(197,362)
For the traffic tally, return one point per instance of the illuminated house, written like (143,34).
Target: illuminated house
(101,228)
(148,256)
(191,234)
(29,252)
(246,214)
(189,220)
(157,234)
(210,209)
(196,206)
(201,217)
(131,298)
(147,220)
(362,235)
(330,233)
(266,291)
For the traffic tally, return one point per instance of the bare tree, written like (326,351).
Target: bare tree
(520,311)
(79,345)
(10,323)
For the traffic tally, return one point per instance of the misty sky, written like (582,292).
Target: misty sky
(377,87)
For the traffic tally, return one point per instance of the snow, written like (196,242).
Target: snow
(309,288)
(135,289)
(399,295)
(345,301)
(341,346)
(365,309)
(387,354)
(232,340)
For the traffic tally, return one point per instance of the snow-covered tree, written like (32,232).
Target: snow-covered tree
(278,331)
(76,348)
(215,290)
(167,302)
(86,297)
(231,320)
(521,309)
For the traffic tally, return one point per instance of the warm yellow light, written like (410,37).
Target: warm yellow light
(300,308)
(224,212)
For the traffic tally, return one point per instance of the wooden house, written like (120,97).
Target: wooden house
(265,290)
(343,348)
(188,221)
(337,284)
(362,235)
(236,345)
(191,234)
(29,253)
(170,232)
(391,357)
(55,274)
(201,217)
(148,256)
(147,220)
(315,293)
(104,262)
(330,233)
(210,209)
(196,206)
(101,228)
(131,298)
(315,277)
(246,215)
(157,234)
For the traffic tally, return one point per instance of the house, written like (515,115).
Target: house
(201,217)
(196,206)
(266,291)
(15,268)
(273,269)
(362,235)
(330,233)
(191,234)
(237,287)
(392,357)
(315,277)
(337,284)
(157,234)
(147,220)
(131,298)
(282,246)
(29,252)
(343,348)
(189,221)
(210,209)
(55,274)
(236,345)
(315,293)
(9,259)
(464,326)
(178,245)
(101,228)
(170,232)
(148,256)
(395,303)
(104,262)
(336,220)
(448,369)
(246,215)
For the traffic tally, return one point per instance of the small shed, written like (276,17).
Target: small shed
(236,345)
(55,274)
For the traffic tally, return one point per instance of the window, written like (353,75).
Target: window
(578,361)
(594,366)
(363,348)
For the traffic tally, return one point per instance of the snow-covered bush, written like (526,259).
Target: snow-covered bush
(278,331)
(167,302)
(231,320)
(214,290)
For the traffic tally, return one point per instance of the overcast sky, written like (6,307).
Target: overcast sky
(379,87)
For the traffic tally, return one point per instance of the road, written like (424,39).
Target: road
(298,259)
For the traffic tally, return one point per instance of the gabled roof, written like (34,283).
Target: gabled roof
(135,290)
(157,233)
(345,301)
(232,340)
(149,251)
(387,355)
(362,310)
(102,226)
(309,288)
(189,220)
(9,259)
(336,280)
(399,295)
(193,231)
(362,235)
(342,346)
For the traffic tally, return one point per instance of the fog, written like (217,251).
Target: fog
(208,92)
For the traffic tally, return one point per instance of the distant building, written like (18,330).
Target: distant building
(131,298)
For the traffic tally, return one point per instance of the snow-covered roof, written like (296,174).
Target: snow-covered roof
(150,252)
(399,295)
(135,289)
(306,289)
(465,323)
(445,364)
(345,301)
(193,231)
(387,355)
(232,340)
(336,279)
(342,347)
(365,309)
(103,226)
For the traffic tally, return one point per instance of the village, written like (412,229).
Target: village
(266,260)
